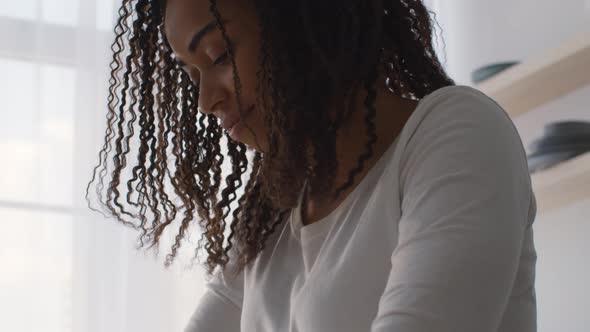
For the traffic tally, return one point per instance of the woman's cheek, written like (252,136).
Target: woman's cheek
(226,75)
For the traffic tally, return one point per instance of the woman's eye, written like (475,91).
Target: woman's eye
(222,59)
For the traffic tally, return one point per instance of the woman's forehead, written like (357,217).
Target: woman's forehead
(182,18)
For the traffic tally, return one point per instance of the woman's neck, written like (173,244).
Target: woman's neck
(391,115)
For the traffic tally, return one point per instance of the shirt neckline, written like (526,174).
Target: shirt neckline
(321,226)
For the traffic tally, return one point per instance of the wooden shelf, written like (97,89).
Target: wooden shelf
(542,79)
(562,184)
(539,80)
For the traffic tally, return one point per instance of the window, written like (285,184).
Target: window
(39,85)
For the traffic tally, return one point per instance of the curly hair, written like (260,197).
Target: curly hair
(333,47)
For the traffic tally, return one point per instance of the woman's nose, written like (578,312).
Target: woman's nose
(211,97)
(209,110)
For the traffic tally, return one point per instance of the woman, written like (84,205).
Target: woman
(378,195)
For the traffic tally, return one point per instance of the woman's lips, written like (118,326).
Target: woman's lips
(229,122)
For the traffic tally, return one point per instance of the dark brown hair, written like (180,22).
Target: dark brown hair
(311,51)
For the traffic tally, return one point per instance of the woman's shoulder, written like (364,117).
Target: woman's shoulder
(460,129)
(457,108)
(454,100)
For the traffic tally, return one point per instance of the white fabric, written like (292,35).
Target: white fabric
(437,237)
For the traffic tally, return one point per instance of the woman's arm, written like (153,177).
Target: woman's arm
(220,308)
(215,313)
(466,196)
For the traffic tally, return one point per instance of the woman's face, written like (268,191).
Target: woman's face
(201,49)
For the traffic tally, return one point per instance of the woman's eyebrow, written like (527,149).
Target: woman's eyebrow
(198,36)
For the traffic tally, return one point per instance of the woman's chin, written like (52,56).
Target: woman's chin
(235,132)
(240,133)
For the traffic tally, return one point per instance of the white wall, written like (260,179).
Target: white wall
(477,32)
(562,236)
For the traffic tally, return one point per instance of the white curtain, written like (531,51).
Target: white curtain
(63,267)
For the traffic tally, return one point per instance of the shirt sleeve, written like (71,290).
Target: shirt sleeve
(220,308)
(465,194)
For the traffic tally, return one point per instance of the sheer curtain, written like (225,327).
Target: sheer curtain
(63,267)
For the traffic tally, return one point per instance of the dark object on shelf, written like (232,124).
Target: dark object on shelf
(546,160)
(483,73)
(568,128)
(561,141)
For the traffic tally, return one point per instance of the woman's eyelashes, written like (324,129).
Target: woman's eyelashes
(190,69)
(221,59)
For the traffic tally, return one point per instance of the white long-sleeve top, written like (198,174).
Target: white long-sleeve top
(437,237)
